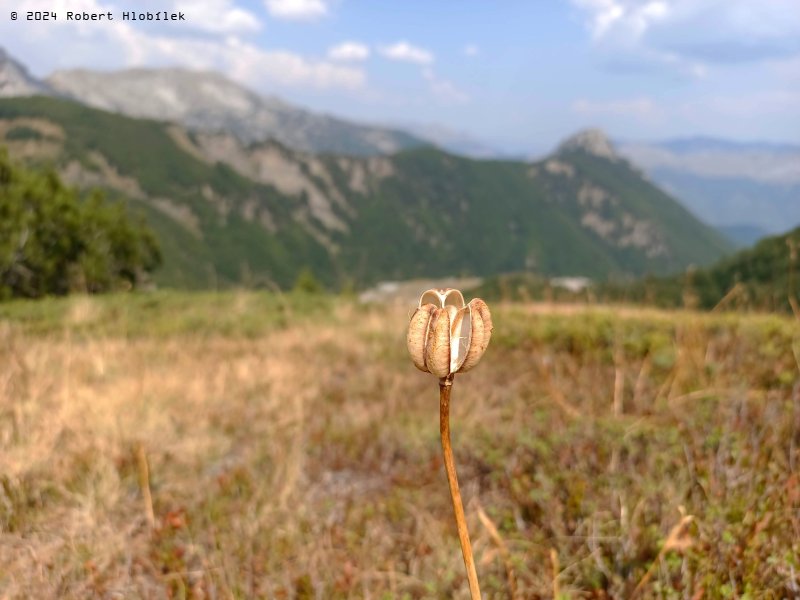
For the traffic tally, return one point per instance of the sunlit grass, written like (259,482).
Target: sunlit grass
(294,453)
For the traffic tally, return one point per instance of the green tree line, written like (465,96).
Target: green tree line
(764,277)
(53,241)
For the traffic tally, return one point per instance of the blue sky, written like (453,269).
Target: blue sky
(517,75)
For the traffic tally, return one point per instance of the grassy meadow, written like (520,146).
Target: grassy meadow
(243,445)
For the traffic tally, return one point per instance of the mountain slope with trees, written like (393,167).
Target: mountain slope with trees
(764,277)
(226,212)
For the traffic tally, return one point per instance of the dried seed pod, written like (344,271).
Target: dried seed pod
(418,334)
(481,333)
(437,347)
(443,297)
(483,309)
(460,338)
(447,336)
(478,342)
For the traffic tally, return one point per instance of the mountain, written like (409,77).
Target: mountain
(453,141)
(764,277)
(727,184)
(229,212)
(16,81)
(701,143)
(742,236)
(208,102)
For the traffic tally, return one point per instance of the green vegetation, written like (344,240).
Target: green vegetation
(443,214)
(20,133)
(687,240)
(421,212)
(224,247)
(165,314)
(52,242)
(763,277)
(602,443)
(307,283)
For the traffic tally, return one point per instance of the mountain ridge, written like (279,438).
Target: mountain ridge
(726,183)
(208,101)
(232,201)
(229,212)
(15,80)
(592,141)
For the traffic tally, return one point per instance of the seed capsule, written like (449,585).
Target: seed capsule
(418,334)
(445,336)
(481,333)
(437,349)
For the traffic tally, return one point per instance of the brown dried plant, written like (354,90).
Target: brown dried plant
(445,337)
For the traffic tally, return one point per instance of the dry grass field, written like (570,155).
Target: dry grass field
(247,445)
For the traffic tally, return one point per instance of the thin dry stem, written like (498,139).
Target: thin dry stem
(504,552)
(556,571)
(144,483)
(619,382)
(556,394)
(677,540)
(445,385)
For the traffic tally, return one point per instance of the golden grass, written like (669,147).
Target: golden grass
(302,460)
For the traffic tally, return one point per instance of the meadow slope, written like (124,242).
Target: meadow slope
(291,450)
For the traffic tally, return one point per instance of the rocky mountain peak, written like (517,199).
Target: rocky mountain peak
(209,102)
(592,141)
(170,94)
(15,79)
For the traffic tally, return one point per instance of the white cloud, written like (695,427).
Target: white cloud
(297,10)
(719,21)
(249,64)
(349,51)
(688,35)
(620,27)
(444,91)
(119,44)
(218,16)
(405,52)
(471,50)
(631,17)
(637,107)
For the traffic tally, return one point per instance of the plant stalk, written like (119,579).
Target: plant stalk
(445,385)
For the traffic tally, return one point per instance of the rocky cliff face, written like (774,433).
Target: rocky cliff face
(208,102)
(591,141)
(16,81)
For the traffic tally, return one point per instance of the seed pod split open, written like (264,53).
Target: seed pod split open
(447,336)
(481,333)
(437,348)
(418,334)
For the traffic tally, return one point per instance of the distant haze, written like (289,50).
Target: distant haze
(727,184)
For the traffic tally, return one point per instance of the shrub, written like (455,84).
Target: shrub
(53,242)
